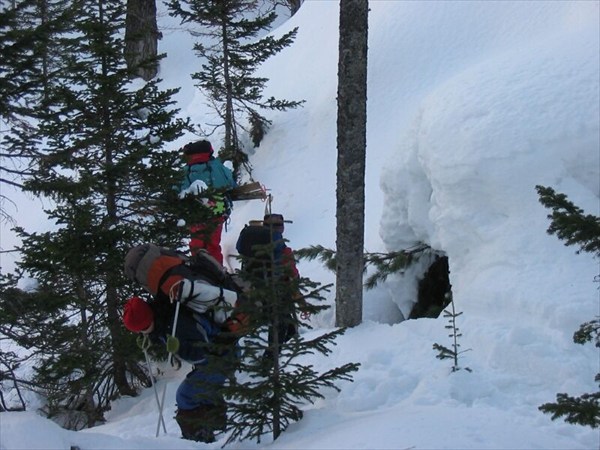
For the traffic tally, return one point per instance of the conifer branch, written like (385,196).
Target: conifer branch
(384,264)
(571,225)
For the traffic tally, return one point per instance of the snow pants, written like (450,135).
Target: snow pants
(199,388)
(200,408)
(203,237)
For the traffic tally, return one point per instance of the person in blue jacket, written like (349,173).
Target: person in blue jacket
(202,166)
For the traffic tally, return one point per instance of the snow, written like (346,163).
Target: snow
(471,105)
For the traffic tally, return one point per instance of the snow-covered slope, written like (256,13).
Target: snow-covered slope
(471,104)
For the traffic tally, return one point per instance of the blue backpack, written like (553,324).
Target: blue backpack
(260,248)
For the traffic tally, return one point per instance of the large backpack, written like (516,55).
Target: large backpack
(206,267)
(161,271)
(261,248)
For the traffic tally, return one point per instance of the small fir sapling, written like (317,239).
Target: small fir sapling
(453,352)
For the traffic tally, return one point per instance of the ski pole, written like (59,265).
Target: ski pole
(174,330)
(161,403)
(160,410)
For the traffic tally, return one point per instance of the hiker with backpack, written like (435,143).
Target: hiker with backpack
(278,264)
(203,171)
(195,319)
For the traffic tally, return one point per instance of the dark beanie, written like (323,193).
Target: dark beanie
(275,221)
(194,148)
(137,315)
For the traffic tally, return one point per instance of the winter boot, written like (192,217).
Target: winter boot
(200,424)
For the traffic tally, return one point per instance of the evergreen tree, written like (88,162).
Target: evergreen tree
(571,225)
(273,380)
(25,30)
(10,361)
(111,188)
(15,67)
(231,52)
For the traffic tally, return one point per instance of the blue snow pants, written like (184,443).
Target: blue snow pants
(199,388)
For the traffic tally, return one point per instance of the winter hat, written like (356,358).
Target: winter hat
(275,221)
(137,315)
(193,148)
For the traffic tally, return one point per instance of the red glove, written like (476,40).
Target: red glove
(238,323)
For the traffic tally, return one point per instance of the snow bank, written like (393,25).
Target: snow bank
(464,175)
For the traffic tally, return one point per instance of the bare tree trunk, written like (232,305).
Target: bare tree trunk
(229,126)
(141,38)
(112,297)
(351,144)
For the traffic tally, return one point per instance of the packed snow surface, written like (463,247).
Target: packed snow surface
(470,106)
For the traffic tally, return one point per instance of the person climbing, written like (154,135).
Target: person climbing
(259,266)
(288,327)
(203,171)
(194,320)
(276,223)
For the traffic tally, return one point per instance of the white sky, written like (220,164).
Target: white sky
(471,104)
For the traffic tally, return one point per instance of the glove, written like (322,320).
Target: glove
(219,207)
(237,324)
(172,344)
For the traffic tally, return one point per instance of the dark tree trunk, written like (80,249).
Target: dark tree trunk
(351,144)
(141,38)
(229,125)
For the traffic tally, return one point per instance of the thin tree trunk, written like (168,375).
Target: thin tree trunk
(351,144)
(112,298)
(228,88)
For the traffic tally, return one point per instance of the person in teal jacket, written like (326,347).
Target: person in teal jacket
(202,166)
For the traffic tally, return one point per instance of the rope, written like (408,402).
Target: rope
(173,292)
(268,204)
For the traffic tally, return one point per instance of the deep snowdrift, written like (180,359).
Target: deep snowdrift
(471,104)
